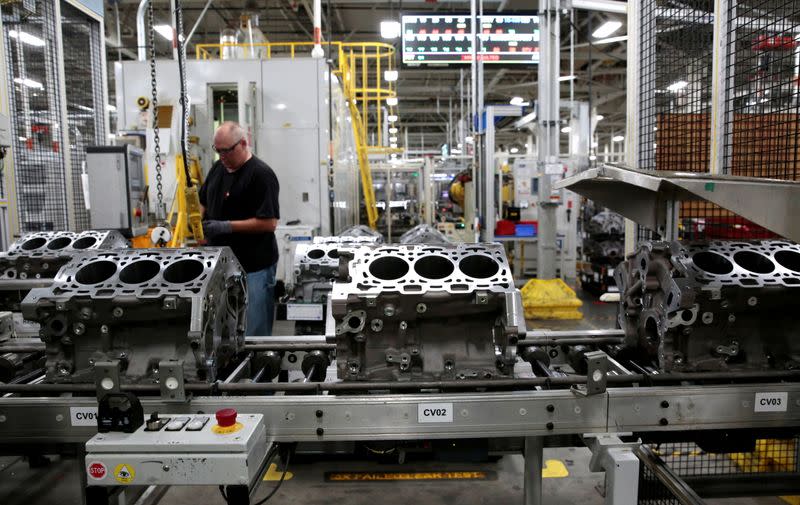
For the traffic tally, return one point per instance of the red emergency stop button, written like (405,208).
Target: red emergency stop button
(226,417)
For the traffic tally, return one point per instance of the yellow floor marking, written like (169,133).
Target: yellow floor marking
(274,475)
(554,469)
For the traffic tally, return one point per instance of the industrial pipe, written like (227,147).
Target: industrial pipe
(141,36)
(317,52)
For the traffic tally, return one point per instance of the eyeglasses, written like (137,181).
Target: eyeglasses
(226,150)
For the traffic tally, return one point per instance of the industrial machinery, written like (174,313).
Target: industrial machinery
(360,230)
(712,306)
(33,261)
(316,267)
(423,312)
(424,234)
(142,307)
(117,189)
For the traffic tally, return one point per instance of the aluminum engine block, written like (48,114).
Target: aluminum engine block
(315,267)
(142,307)
(360,230)
(426,312)
(712,306)
(424,234)
(41,254)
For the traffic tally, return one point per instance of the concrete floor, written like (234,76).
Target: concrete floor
(59,482)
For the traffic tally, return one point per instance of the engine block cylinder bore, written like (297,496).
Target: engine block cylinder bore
(95,272)
(434,267)
(711,306)
(59,243)
(34,243)
(121,305)
(316,254)
(183,271)
(754,262)
(712,263)
(388,268)
(407,313)
(478,266)
(139,271)
(789,260)
(84,243)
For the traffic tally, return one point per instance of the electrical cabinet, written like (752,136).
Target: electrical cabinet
(117,189)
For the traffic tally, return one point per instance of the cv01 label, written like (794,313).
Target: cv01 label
(435,412)
(771,402)
(83,416)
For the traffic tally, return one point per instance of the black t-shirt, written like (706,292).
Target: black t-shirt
(251,191)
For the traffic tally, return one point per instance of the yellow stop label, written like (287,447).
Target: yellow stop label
(124,473)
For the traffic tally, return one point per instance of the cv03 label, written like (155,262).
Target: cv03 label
(83,416)
(435,412)
(771,402)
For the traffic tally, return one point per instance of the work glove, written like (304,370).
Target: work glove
(213,229)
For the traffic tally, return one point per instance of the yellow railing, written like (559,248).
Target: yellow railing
(360,66)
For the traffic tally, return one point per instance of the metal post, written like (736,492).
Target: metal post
(487,203)
(633,109)
(533,470)
(548,130)
(722,82)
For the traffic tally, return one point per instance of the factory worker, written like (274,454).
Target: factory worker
(240,210)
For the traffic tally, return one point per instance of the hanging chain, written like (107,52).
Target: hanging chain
(160,209)
(184,99)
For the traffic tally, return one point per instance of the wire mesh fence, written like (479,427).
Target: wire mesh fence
(83,66)
(35,102)
(759,96)
(767,456)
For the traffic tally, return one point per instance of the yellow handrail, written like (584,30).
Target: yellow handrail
(359,67)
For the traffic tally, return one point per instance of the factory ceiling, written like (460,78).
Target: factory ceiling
(426,95)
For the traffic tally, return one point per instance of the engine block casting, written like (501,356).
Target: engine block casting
(426,313)
(142,307)
(712,306)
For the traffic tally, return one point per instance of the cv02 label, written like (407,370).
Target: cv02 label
(771,402)
(83,416)
(435,412)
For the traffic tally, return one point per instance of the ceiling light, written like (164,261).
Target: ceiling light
(111,108)
(391,118)
(514,150)
(392,130)
(390,75)
(392,139)
(592,157)
(280,106)
(611,40)
(677,86)
(390,29)
(600,117)
(606,29)
(29,83)
(468,139)
(566,129)
(566,78)
(517,100)
(391,101)
(27,38)
(617,138)
(393,146)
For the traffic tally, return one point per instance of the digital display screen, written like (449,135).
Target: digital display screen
(446,39)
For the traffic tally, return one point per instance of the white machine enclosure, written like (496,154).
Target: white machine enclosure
(178,458)
(283,105)
(117,189)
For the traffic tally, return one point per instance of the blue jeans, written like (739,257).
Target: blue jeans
(261,302)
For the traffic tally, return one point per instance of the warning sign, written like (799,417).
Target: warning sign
(96,470)
(124,473)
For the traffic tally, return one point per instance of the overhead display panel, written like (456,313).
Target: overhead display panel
(446,39)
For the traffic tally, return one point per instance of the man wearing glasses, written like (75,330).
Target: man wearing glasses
(240,210)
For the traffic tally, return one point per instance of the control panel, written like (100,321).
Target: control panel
(117,189)
(227,448)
